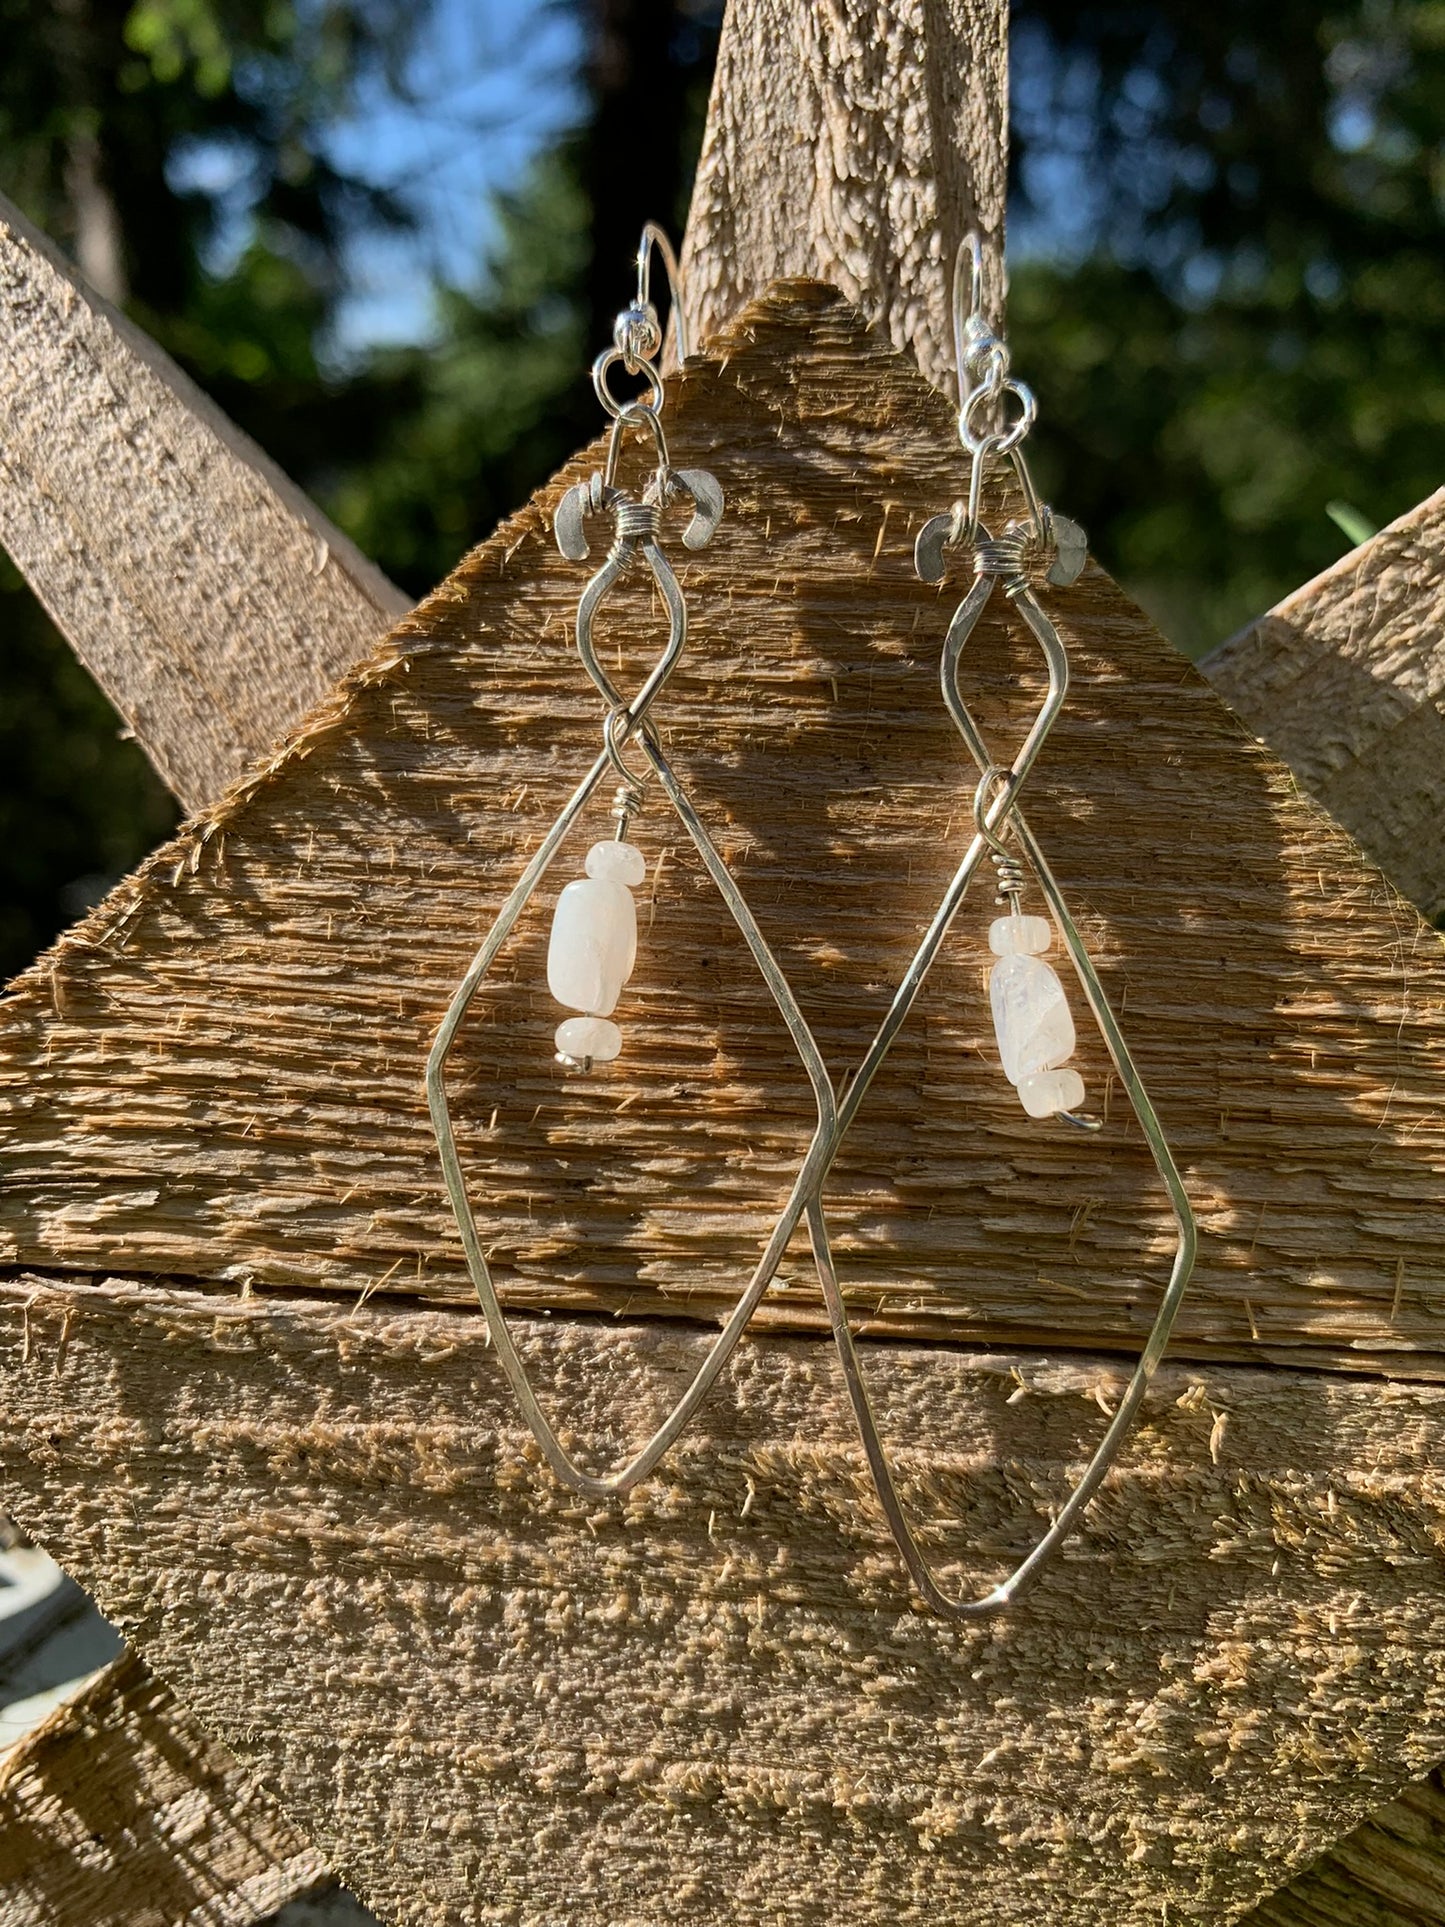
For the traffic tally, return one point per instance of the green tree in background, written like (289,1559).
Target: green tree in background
(506,397)
(102,103)
(1233,287)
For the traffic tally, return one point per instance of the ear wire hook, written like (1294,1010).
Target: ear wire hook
(637,333)
(969,325)
(654,236)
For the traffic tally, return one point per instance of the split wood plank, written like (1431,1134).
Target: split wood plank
(121,1810)
(1345,680)
(1387,1873)
(210,599)
(219,1074)
(854,143)
(488,1700)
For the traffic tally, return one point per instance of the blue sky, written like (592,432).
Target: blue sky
(491,83)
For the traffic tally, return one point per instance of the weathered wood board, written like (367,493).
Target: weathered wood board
(714,1694)
(1345,680)
(855,144)
(121,1812)
(1387,1873)
(490,1701)
(211,601)
(218,1075)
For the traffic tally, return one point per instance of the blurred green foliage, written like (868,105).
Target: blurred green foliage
(1233,287)
(1228,288)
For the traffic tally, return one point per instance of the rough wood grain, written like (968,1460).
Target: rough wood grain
(220,1073)
(121,1812)
(1345,680)
(211,601)
(1390,1872)
(489,1701)
(855,142)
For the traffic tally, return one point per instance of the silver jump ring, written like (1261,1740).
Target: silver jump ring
(1003,441)
(611,358)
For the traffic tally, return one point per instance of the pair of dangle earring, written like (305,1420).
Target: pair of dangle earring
(593,939)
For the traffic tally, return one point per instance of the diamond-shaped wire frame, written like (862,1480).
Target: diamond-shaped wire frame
(809,1173)
(1004,806)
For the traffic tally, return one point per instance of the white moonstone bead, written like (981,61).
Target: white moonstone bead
(1019,936)
(1030,1017)
(593,945)
(617,863)
(584,1037)
(1049,1091)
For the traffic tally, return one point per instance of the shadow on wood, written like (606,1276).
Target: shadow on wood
(713,1696)
(220,1070)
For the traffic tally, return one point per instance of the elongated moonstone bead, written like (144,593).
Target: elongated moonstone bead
(593,945)
(1030,1016)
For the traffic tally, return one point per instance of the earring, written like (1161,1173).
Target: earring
(593,942)
(1034,1028)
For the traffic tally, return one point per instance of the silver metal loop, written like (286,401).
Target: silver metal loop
(618,727)
(1003,440)
(970,330)
(634,414)
(991,805)
(1038,514)
(654,237)
(611,358)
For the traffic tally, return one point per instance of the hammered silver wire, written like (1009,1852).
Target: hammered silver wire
(835,1116)
(1004,560)
(636,535)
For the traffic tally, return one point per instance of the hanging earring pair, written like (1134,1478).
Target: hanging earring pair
(593,939)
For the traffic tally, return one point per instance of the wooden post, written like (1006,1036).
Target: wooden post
(221,1081)
(856,143)
(120,1809)
(563,1688)
(1345,679)
(211,601)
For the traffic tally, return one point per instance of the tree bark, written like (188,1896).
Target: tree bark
(855,141)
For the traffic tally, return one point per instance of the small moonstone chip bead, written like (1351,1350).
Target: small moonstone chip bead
(1031,1017)
(582,1037)
(593,948)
